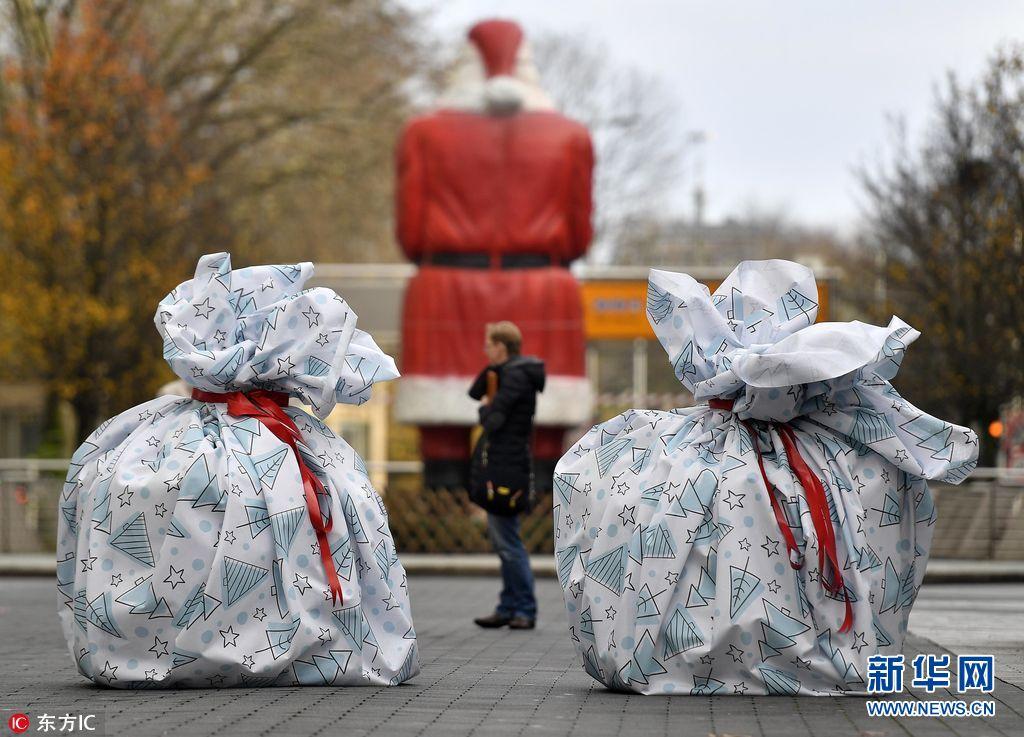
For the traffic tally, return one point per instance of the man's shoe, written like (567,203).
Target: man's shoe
(493,621)
(521,623)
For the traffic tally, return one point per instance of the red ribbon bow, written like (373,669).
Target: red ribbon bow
(817,503)
(266,406)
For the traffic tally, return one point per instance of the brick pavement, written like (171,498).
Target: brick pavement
(475,682)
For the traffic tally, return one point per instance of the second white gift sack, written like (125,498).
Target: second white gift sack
(773,537)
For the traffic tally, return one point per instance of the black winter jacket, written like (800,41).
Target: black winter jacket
(508,418)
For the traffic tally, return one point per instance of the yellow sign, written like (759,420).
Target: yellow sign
(617,310)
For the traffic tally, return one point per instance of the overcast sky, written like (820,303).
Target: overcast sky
(794,94)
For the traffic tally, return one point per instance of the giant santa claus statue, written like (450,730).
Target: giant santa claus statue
(494,202)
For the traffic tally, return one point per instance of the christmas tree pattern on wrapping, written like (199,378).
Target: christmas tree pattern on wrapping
(199,565)
(675,550)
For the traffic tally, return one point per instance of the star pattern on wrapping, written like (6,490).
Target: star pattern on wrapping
(744,544)
(175,577)
(770,546)
(285,366)
(108,672)
(301,583)
(248,661)
(204,308)
(229,537)
(734,500)
(160,509)
(774,586)
(259,614)
(230,636)
(116,579)
(87,563)
(312,317)
(736,653)
(152,442)
(610,613)
(159,647)
(325,635)
(859,641)
(627,515)
(125,497)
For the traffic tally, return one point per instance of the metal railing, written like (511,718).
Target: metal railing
(982,519)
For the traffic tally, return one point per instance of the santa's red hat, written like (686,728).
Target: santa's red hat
(496,73)
(498,42)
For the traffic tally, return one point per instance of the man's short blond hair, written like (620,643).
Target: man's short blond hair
(506,333)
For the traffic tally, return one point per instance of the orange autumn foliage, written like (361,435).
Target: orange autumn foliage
(94,189)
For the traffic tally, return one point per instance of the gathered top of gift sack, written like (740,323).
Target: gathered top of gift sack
(258,328)
(755,342)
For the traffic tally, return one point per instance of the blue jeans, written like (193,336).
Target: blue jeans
(517,598)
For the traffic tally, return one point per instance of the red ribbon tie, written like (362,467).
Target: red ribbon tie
(266,407)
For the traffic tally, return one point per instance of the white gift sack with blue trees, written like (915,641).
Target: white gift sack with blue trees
(228,539)
(773,537)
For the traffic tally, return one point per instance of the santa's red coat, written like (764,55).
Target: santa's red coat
(493,208)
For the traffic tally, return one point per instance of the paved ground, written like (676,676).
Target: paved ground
(477,682)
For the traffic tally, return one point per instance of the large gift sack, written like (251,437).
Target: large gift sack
(228,539)
(772,538)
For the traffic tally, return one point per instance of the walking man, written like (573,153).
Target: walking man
(507,389)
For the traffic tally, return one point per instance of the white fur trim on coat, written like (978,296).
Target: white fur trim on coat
(435,400)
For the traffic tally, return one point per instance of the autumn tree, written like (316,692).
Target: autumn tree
(136,136)
(295,107)
(945,239)
(93,190)
(633,121)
